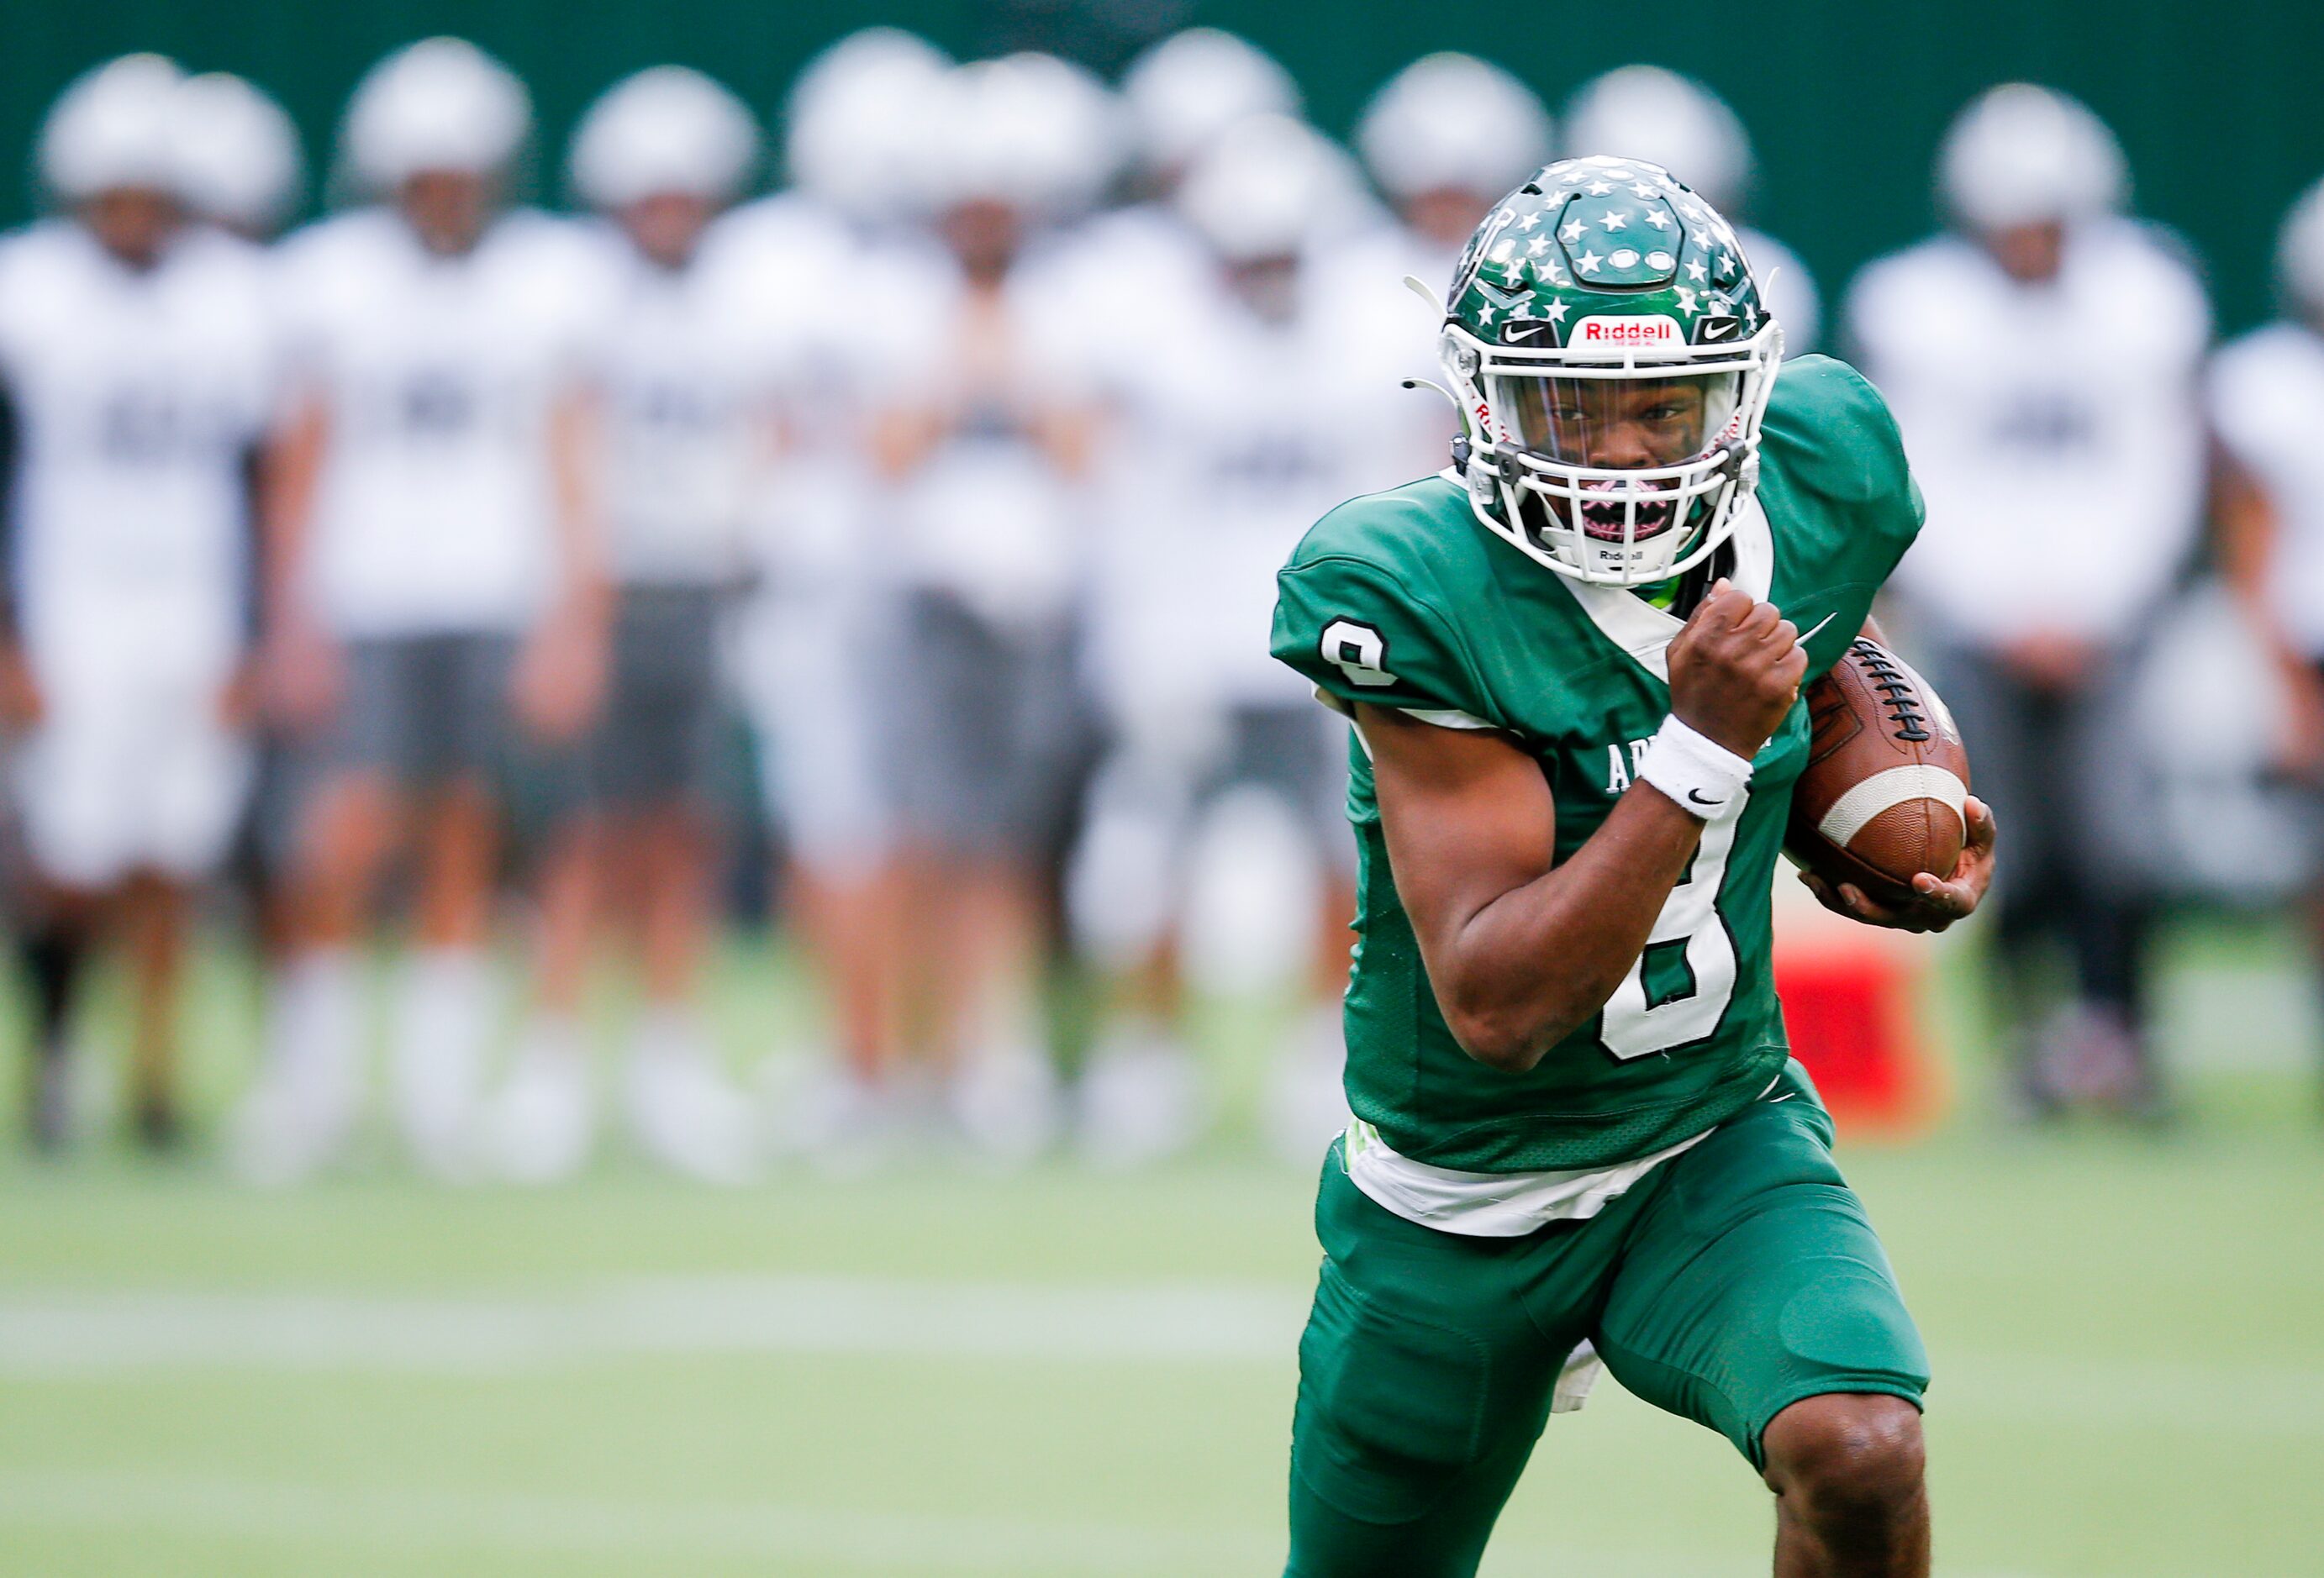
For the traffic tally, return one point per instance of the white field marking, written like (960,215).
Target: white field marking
(74,1335)
(663,1534)
(64,1334)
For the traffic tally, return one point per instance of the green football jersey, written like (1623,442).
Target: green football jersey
(1404,599)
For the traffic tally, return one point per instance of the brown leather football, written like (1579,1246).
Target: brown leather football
(1880,800)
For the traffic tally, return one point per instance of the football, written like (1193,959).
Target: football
(1880,800)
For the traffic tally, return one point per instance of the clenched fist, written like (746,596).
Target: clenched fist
(1736,669)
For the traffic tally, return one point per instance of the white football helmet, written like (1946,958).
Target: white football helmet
(2299,255)
(668,129)
(1262,188)
(2021,154)
(1194,84)
(1645,112)
(238,152)
(1029,130)
(114,127)
(1453,122)
(440,103)
(855,122)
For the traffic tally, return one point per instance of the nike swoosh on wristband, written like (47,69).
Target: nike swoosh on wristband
(1696,796)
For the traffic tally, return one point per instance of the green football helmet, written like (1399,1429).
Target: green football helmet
(1611,358)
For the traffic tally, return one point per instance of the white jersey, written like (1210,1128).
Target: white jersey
(138,397)
(684,369)
(436,506)
(989,517)
(2268,406)
(1238,434)
(2054,428)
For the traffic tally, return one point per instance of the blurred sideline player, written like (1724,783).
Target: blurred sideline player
(2045,359)
(1177,97)
(986,446)
(134,355)
(1681,125)
(436,600)
(1443,139)
(806,656)
(1240,422)
(2266,401)
(676,428)
(243,172)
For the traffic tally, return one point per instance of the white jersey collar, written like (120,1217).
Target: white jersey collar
(1642,630)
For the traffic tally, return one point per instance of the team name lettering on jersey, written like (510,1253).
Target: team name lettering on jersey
(1618,772)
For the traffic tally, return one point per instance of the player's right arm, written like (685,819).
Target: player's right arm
(1522,948)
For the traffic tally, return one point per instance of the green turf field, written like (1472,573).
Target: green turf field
(935,1373)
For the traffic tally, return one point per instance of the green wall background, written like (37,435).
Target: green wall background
(2221,105)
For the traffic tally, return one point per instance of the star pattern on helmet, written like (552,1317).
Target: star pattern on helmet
(1534,265)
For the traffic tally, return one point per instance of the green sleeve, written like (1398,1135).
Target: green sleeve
(1349,626)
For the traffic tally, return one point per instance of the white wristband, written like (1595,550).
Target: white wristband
(1701,774)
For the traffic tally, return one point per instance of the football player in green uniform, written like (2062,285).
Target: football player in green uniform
(1574,662)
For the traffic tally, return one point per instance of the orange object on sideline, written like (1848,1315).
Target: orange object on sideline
(1851,998)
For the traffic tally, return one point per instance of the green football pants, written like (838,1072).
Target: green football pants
(1732,1281)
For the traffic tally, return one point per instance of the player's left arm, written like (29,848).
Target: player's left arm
(1937,901)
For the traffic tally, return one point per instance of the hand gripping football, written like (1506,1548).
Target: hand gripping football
(1880,800)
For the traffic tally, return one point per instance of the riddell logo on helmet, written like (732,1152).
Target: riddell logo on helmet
(1611,331)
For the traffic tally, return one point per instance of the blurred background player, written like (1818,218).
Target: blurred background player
(807,659)
(2043,358)
(1676,122)
(2266,402)
(1443,139)
(985,447)
(1219,800)
(435,596)
(678,428)
(134,364)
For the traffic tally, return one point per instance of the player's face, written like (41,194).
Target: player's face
(983,235)
(1616,424)
(666,225)
(1269,286)
(2031,254)
(1447,215)
(132,223)
(447,208)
